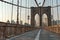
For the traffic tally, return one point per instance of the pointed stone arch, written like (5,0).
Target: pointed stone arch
(37,20)
(41,11)
(44,20)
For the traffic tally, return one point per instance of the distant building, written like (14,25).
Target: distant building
(26,24)
(21,22)
(8,21)
(13,22)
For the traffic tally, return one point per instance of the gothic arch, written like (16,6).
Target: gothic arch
(37,20)
(44,20)
(41,11)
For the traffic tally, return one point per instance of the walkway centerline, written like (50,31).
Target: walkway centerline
(38,35)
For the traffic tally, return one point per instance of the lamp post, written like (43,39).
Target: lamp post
(52,20)
(28,18)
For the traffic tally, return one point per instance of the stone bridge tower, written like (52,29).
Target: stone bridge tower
(40,11)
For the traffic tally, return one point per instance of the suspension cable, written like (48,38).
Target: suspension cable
(14,4)
(11,19)
(25,11)
(52,14)
(12,12)
(57,12)
(17,12)
(55,6)
(2,11)
(36,3)
(28,11)
(43,2)
(20,10)
(2,20)
(5,11)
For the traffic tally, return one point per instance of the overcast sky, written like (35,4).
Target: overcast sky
(6,9)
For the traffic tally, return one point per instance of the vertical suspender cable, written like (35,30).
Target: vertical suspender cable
(28,11)
(57,13)
(25,11)
(52,14)
(11,17)
(5,11)
(20,10)
(17,17)
(2,20)
(2,11)
(12,12)
(57,16)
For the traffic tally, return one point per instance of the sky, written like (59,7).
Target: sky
(6,10)
(54,13)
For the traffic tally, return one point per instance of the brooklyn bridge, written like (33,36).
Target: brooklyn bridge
(29,19)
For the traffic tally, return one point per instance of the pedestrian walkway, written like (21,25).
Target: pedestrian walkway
(46,35)
(26,36)
(37,35)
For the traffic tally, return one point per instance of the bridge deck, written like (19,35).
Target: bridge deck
(44,35)
(26,36)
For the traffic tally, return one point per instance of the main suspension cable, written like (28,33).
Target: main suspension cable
(14,4)
(36,3)
(43,2)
